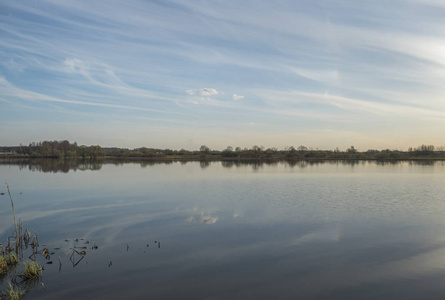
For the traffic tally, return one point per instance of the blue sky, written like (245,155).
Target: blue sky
(180,74)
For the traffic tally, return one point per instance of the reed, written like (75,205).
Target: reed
(3,266)
(15,220)
(12,259)
(13,293)
(9,256)
(32,271)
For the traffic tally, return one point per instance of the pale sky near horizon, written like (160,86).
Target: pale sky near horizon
(185,73)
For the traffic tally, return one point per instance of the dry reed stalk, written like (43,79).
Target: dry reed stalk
(15,220)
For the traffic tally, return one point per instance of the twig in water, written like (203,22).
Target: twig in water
(72,258)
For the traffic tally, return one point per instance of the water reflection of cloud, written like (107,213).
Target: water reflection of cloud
(208,219)
(238,214)
(397,272)
(111,229)
(203,219)
(328,269)
(202,216)
(32,215)
(332,234)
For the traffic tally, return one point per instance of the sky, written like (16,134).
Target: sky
(185,73)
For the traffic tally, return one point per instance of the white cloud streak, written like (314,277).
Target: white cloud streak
(203,92)
(8,90)
(285,98)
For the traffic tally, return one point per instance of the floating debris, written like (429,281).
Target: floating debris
(74,259)
(45,253)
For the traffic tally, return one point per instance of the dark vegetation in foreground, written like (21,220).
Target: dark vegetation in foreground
(19,266)
(65,149)
(21,272)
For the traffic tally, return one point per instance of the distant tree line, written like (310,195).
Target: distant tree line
(65,149)
(55,149)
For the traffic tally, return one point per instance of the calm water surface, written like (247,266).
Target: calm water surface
(217,230)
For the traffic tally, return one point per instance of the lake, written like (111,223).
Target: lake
(223,230)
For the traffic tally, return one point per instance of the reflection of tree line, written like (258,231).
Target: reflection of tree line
(306,163)
(66,165)
(56,165)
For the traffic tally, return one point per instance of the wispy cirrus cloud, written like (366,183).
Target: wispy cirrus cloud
(279,98)
(9,91)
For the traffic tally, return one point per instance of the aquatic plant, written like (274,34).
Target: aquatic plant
(9,257)
(12,259)
(14,294)
(32,271)
(3,266)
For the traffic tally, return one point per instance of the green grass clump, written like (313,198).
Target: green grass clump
(32,270)
(3,266)
(14,294)
(12,259)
